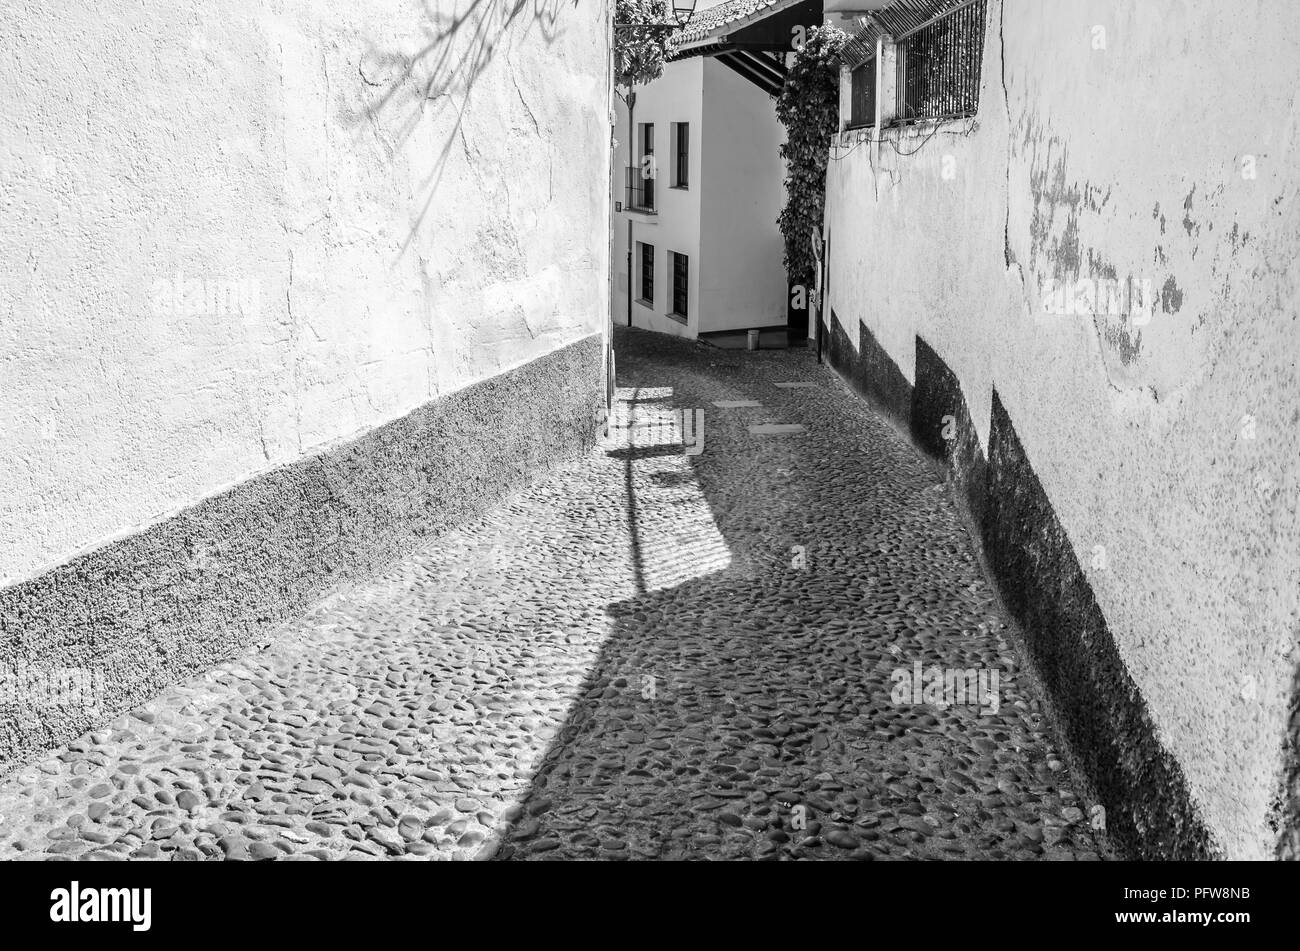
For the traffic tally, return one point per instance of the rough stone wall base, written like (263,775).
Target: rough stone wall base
(108,630)
(1108,730)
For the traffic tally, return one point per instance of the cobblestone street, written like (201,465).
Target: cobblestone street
(648,654)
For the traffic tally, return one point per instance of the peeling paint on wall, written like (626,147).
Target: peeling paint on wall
(372,170)
(1077,162)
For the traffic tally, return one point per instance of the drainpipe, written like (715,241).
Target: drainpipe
(627,205)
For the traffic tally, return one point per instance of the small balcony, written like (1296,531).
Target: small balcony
(640,191)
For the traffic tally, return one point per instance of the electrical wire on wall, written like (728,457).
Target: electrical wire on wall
(865,137)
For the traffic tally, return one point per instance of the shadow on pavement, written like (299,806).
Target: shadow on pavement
(743,704)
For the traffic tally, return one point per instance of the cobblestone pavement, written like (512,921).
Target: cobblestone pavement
(649,654)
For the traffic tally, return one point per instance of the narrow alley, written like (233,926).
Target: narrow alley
(653,652)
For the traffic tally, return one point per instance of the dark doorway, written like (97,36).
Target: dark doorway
(796,313)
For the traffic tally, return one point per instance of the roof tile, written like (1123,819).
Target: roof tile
(705,22)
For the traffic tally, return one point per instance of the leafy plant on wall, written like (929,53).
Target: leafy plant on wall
(640,50)
(809,108)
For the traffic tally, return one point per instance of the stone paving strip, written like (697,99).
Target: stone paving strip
(737,404)
(646,654)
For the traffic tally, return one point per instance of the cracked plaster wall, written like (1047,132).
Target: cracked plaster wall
(1164,153)
(365,207)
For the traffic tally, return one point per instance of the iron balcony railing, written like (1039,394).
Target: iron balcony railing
(640,190)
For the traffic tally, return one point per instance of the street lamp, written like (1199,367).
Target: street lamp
(682,11)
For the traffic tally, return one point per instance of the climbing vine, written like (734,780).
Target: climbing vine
(640,50)
(809,108)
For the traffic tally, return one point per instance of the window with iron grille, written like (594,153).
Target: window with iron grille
(680,271)
(648,164)
(862,102)
(641,176)
(640,191)
(681,154)
(939,66)
(647,289)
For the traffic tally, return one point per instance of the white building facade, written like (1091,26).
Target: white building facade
(697,203)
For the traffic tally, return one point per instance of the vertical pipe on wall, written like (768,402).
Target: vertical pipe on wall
(627,204)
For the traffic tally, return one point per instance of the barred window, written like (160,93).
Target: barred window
(939,66)
(647,195)
(680,268)
(681,154)
(647,272)
(862,103)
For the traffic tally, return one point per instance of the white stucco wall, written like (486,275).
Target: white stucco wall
(1131,158)
(402,207)
(743,284)
(676,96)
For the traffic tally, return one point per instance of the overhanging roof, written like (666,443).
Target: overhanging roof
(762,69)
(747,24)
(748,36)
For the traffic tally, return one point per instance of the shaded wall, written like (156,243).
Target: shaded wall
(1132,475)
